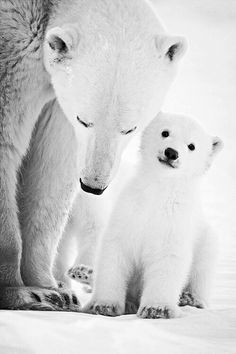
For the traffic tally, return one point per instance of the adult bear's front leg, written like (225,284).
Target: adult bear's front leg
(10,238)
(48,187)
(24,89)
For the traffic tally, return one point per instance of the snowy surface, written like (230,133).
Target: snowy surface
(208,332)
(206,89)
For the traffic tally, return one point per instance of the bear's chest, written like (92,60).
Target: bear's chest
(164,219)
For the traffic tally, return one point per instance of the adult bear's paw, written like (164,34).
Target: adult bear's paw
(38,299)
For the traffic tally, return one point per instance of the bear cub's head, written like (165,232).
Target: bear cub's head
(176,144)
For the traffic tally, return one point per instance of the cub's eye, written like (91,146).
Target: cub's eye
(126,132)
(86,125)
(165,134)
(191,147)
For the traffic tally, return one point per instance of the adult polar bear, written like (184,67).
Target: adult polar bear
(110,63)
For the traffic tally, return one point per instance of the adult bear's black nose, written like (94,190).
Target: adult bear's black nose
(171,154)
(91,190)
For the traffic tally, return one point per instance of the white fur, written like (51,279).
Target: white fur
(114,78)
(88,218)
(158,243)
(86,222)
(109,64)
(114,75)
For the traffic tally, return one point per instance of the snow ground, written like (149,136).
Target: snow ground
(206,89)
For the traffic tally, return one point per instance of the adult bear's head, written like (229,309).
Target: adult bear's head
(111,64)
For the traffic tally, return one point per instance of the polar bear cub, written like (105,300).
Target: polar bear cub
(158,250)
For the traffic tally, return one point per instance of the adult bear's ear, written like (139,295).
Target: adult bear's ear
(217,145)
(62,41)
(171,47)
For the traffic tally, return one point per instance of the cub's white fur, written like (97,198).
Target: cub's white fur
(158,243)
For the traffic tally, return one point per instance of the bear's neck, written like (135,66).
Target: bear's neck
(172,187)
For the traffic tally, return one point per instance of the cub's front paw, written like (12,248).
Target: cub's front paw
(82,273)
(187,299)
(104,309)
(154,312)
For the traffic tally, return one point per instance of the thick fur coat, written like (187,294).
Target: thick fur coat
(158,249)
(109,64)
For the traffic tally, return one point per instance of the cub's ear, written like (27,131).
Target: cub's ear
(62,41)
(217,145)
(171,47)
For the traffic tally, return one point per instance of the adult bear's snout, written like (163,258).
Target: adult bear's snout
(91,190)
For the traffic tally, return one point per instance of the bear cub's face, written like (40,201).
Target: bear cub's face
(178,145)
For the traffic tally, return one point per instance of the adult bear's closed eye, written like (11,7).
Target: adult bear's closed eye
(59,52)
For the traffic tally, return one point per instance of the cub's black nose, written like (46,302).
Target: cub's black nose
(91,190)
(171,154)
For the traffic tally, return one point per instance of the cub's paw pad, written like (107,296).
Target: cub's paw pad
(104,309)
(152,312)
(187,299)
(130,308)
(81,273)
